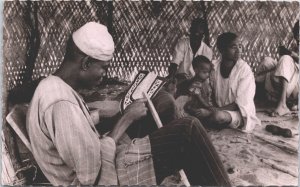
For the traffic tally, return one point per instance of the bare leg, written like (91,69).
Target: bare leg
(285,73)
(219,119)
(282,108)
(202,113)
(294,98)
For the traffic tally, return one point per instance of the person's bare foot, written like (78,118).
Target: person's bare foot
(294,108)
(281,111)
(202,113)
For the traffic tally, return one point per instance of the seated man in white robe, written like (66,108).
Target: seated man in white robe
(280,79)
(187,48)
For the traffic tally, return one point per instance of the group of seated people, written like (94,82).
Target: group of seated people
(71,151)
(222,91)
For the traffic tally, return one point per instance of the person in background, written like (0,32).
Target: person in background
(280,79)
(187,48)
(233,88)
(69,149)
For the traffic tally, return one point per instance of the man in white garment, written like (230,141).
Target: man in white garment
(234,88)
(189,47)
(280,79)
(70,151)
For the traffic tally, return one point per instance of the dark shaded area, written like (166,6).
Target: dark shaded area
(34,41)
(206,30)
(23,93)
(163,102)
(260,92)
(165,106)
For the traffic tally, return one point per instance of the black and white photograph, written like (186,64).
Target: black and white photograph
(150,92)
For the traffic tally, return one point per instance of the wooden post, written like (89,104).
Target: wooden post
(158,122)
(31,20)
(207,41)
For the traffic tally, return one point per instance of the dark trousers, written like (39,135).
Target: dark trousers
(184,144)
(165,106)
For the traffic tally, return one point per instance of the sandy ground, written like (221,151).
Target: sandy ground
(257,159)
(252,161)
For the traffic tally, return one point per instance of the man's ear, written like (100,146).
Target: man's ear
(85,63)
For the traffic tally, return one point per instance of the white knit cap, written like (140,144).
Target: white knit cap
(95,41)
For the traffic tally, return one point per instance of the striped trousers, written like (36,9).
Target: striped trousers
(184,144)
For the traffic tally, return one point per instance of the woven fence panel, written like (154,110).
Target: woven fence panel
(145,32)
(56,21)
(15,41)
(262,26)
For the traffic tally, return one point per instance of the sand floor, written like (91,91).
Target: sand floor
(259,158)
(250,160)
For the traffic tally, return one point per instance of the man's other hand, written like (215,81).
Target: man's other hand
(137,109)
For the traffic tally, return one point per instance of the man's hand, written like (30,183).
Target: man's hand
(136,110)
(194,92)
(132,113)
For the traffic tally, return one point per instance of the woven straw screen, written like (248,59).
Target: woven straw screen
(145,32)
(262,26)
(35,34)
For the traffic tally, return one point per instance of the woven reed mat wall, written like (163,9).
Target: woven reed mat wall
(262,26)
(145,32)
(35,33)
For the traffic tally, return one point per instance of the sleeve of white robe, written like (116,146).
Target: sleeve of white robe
(245,100)
(77,144)
(178,54)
